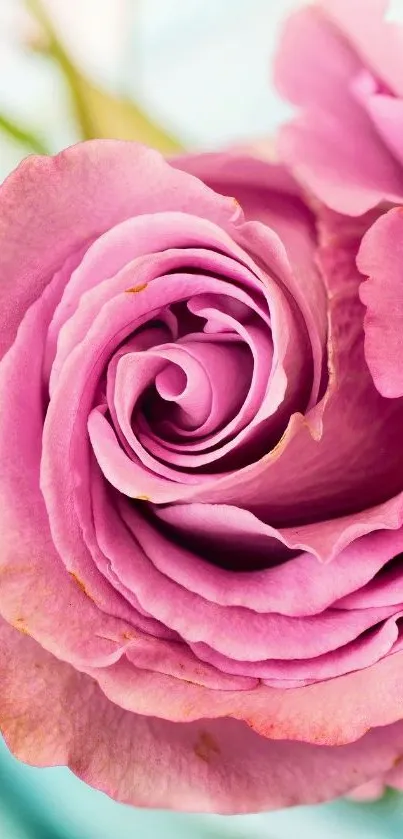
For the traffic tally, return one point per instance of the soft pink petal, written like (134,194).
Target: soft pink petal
(335,151)
(394,778)
(378,41)
(385,589)
(58,205)
(370,791)
(53,715)
(374,699)
(380,259)
(365,650)
(317,461)
(35,587)
(267,193)
(386,112)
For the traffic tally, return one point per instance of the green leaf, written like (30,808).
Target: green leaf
(100,114)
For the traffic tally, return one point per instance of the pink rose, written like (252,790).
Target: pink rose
(200,526)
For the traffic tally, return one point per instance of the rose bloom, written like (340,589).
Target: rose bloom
(201,487)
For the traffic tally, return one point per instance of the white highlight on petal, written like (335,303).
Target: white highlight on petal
(394,11)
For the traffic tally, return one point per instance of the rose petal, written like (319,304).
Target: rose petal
(378,41)
(370,791)
(386,112)
(394,778)
(35,588)
(178,232)
(254,636)
(197,242)
(385,589)
(209,765)
(374,699)
(365,650)
(315,65)
(268,194)
(70,199)
(299,586)
(380,259)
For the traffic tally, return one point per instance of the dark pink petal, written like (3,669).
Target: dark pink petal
(385,589)
(315,449)
(254,636)
(66,532)
(131,251)
(300,586)
(115,319)
(204,245)
(365,650)
(205,401)
(380,259)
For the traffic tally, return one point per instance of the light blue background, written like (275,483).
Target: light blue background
(53,804)
(204,73)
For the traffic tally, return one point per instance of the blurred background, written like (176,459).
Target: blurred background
(197,71)
(176,74)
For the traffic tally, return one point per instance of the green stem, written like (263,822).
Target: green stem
(98,113)
(22,135)
(56,51)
